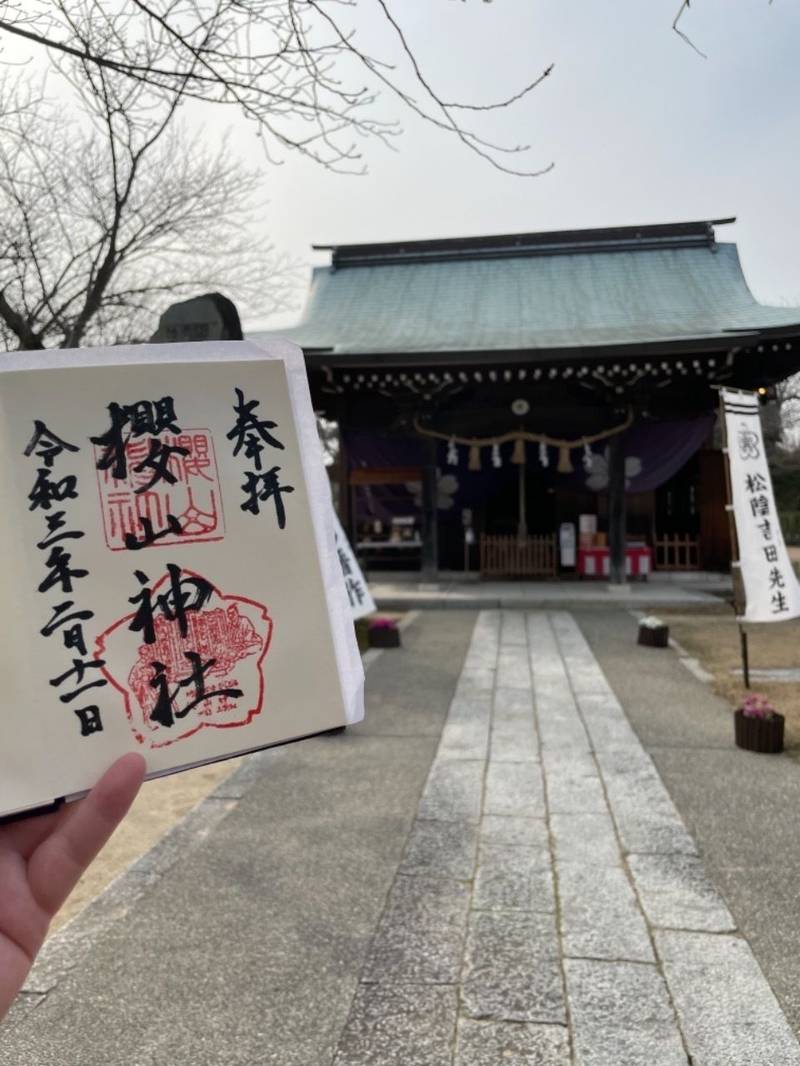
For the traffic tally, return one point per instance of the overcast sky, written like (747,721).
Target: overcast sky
(640,129)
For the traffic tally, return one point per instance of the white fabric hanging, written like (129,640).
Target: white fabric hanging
(772,592)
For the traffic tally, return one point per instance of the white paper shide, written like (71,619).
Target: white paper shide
(772,592)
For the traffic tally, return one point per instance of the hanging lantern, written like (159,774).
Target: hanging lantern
(452,453)
(497,459)
(588,458)
(544,458)
(518,455)
(474,457)
(564,461)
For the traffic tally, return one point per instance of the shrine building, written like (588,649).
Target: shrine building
(538,404)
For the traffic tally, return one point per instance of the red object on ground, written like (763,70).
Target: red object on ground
(595,562)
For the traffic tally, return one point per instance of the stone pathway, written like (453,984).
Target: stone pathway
(551,908)
(786,675)
(692,589)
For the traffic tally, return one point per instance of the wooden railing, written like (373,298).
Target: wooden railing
(510,556)
(677,553)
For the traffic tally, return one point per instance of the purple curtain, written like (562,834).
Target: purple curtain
(655,450)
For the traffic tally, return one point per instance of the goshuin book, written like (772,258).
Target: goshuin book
(170,580)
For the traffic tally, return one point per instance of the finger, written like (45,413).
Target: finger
(25,836)
(60,860)
(14,966)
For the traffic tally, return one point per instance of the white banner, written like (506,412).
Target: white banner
(772,592)
(361,601)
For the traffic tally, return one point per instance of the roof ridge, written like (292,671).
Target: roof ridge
(546,242)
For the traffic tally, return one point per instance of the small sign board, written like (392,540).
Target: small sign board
(170,578)
(566,543)
(358,595)
(771,590)
(211,317)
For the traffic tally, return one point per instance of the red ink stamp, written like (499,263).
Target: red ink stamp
(190,491)
(210,676)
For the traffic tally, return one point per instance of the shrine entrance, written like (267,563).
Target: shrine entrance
(544,401)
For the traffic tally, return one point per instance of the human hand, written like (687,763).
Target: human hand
(42,859)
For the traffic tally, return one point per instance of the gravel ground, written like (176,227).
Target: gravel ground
(712,637)
(159,805)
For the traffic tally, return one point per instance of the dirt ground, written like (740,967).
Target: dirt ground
(712,636)
(159,805)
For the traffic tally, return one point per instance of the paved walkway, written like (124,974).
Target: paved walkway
(694,590)
(741,809)
(547,837)
(489,870)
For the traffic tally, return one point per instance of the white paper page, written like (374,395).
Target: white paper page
(226,634)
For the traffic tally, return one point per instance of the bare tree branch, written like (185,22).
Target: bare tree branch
(292,67)
(100,224)
(681,11)
(685,6)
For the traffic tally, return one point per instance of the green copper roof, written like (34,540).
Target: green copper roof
(598,288)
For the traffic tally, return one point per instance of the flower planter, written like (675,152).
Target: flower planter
(758,734)
(654,636)
(384,637)
(362,634)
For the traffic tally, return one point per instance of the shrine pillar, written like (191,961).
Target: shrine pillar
(616,509)
(430,500)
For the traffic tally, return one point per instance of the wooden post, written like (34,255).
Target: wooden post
(430,499)
(522,522)
(745,656)
(616,509)
(345,500)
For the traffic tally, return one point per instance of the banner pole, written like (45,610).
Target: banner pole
(745,655)
(738,602)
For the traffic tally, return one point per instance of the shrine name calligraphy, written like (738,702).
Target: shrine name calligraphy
(129,421)
(174,604)
(60,573)
(164,711)
(186,642)
(158,483)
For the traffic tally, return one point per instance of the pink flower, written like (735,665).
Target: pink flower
(755,705)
